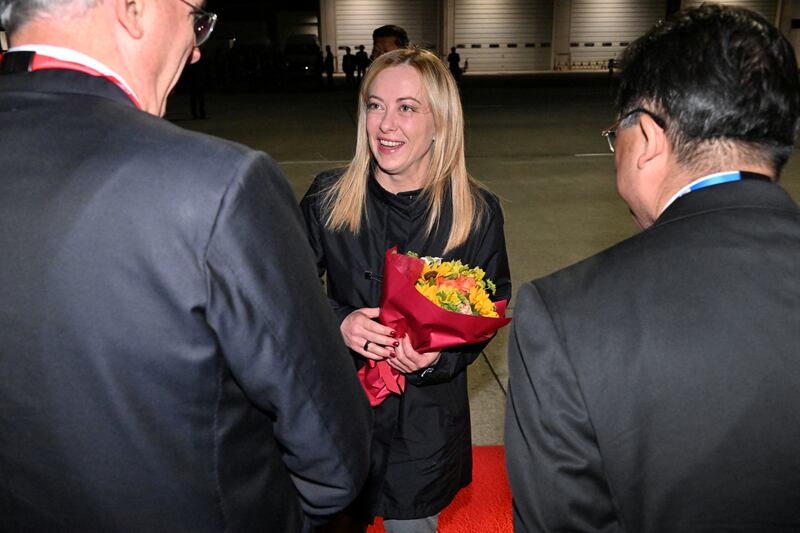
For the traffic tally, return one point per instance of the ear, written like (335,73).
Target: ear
(130,15)
(655,141)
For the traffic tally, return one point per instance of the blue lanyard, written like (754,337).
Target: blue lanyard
(708,182)
(716,180)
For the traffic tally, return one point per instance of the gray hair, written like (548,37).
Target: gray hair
(15,13)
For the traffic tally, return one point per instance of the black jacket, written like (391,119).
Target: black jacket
(654,386)
(168,360)
(421,450)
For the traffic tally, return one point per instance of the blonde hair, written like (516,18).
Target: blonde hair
(344,202)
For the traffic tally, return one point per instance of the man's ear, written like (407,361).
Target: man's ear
(130,14)
(655,137)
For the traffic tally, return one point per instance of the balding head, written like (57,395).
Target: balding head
(146,42)
(16,13)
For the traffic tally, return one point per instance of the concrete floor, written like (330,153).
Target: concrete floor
(534,140)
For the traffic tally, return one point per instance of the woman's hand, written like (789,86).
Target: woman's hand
(366,336)
(407,360)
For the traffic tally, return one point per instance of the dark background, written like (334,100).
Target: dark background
(246,50)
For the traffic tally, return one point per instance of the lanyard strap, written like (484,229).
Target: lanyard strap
(716,180)
(30,62)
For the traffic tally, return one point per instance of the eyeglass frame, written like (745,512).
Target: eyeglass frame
(610,133)
(200,15)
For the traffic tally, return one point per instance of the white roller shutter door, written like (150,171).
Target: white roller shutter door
(600,29)
(356,19)
(504,35)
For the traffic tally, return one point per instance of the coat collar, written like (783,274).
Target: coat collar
(755,191)
(408,202)
(63,82)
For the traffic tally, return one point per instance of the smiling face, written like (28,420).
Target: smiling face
(400,128)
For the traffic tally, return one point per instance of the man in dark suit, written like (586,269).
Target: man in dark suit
(169,361)
(656,386)
(362,62)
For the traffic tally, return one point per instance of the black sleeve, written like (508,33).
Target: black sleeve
(281,340)
(315,228)
(493,259)
(553,462)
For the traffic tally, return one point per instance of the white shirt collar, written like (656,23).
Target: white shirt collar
(688,188)
(73,56)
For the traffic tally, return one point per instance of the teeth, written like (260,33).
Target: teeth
(390,144)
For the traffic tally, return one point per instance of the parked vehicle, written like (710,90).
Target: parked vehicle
(302,55)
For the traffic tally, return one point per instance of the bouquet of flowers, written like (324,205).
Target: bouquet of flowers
(439,304)
(456,287)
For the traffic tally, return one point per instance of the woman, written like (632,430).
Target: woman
(407,186)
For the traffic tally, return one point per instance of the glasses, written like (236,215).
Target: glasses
(203,23)
(610,133)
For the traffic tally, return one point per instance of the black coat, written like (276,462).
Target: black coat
(654,387)
(168,362)
(422,451)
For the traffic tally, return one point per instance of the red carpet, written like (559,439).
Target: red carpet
(484,506)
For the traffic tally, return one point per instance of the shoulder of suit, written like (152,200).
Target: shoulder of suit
(197,152)
(609,264)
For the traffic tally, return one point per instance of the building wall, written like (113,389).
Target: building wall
(355,20)
(790,24)
(600,30)
(504,35)
(517,35)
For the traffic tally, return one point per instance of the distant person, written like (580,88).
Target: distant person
(362,62)
(453,61)
(169,361)
(654,386)
(407,186)
(330,64)
(612,64)
(388,38)
(349,67)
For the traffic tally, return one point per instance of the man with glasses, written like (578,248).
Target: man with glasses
(169,361)
(654,386)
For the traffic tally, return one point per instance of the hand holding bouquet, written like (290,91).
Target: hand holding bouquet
(439,304)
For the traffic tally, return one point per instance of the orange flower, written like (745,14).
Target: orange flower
(462,283)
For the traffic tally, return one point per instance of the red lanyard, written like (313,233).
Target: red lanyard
(42,62)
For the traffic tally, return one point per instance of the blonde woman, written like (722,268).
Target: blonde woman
(407,186)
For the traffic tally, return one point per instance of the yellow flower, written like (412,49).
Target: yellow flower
(480,301)
(429,292)
(449,296)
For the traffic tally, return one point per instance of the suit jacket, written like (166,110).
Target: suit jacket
(656,386)
(169,361)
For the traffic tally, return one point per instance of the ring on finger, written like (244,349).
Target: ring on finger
(366,345)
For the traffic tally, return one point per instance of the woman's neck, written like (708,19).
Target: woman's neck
(396,184)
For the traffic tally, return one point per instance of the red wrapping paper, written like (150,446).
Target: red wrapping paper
(429,327)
